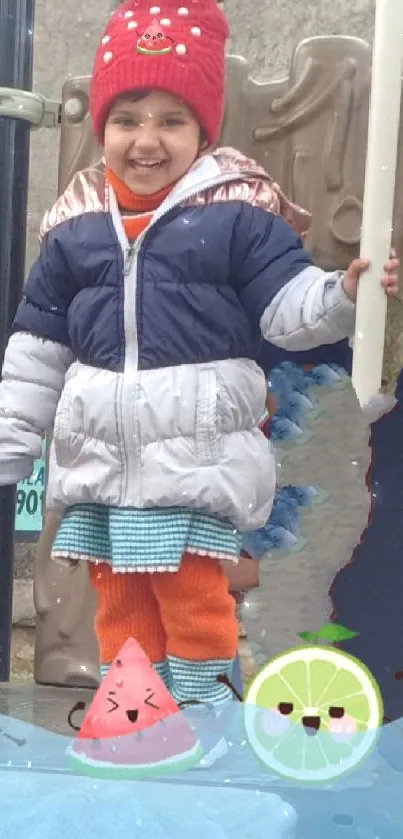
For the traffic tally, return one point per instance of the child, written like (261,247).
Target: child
(137,338)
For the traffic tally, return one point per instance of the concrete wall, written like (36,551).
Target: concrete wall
(67,34)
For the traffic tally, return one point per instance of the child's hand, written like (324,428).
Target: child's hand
(390,281)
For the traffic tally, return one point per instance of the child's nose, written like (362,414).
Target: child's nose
(146,136)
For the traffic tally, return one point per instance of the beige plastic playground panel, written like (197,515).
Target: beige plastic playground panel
(309,131)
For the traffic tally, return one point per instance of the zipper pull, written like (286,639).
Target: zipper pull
(129,259)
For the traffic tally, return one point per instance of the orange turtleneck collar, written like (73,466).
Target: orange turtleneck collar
(137,210)
(130,201)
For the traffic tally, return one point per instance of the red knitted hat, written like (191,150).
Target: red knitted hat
(170,47)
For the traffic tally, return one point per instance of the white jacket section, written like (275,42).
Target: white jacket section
(312,309)
(195,441)
(32,381)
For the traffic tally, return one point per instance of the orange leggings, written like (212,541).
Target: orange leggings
(188,614)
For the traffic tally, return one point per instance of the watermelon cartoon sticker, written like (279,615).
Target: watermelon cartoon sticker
(133,727)
(154,41)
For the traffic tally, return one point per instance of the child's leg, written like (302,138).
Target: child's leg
(199,618)
(127,608)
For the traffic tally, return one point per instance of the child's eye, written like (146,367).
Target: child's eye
(125,122)
(173,122)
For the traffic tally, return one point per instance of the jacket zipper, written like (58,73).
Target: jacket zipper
(129,255)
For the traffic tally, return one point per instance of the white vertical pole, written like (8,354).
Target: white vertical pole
(380,175)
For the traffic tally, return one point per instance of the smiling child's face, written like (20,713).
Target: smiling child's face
(150,142)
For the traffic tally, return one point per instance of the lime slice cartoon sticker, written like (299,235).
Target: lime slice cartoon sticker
(313,713)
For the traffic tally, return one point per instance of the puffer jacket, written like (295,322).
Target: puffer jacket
(143,356)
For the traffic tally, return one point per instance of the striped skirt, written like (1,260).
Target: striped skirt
(151,540)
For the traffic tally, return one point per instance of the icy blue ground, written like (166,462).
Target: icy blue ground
(236,799)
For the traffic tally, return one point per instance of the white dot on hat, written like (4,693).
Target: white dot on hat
(183,11)
(155,10)
(129,14)
(132,24)
(106,39)
(181,49)
(165,21)
(108,57)
(195,30)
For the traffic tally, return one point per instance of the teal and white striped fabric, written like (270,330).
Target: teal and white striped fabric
(197,680)
(155,539)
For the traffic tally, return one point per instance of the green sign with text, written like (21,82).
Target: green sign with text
(30,501)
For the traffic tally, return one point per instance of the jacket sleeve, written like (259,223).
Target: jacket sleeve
(35,363)
(296,305)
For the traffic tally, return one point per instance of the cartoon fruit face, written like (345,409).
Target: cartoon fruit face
(154,41)
(133,727)
(131,697)
(312,714)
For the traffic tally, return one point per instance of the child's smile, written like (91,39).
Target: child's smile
(151,140)
(145,169)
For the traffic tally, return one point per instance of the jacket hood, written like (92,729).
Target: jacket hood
(263,191)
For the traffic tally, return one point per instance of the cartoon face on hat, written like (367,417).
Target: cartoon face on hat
(154,41)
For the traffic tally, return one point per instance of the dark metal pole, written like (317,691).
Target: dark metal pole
(16,54)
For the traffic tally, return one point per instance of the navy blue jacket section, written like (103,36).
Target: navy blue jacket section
(74,292)
(204,277)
